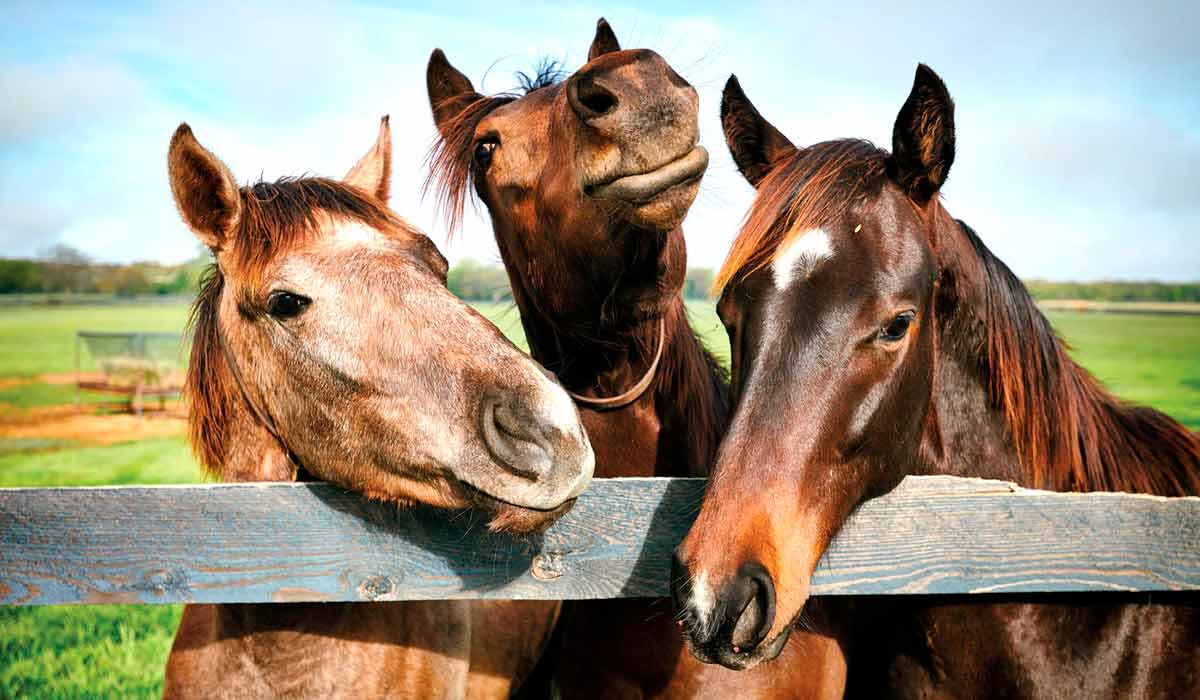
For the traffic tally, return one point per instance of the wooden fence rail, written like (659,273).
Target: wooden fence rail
(314,542)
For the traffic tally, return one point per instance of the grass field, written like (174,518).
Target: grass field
(119,651)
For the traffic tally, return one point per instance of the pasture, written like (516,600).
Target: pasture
(119,651)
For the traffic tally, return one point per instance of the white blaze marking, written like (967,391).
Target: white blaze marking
(702,602)
(801,257)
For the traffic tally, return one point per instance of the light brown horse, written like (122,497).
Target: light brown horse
(874,336)
(327,344)
(587,181)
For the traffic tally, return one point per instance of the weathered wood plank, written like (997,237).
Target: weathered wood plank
(294,542)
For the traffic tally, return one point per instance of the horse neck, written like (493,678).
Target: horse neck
(674,427)
(1010,403)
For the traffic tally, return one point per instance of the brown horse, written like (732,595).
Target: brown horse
(587,181)
(874,336)
(327,344)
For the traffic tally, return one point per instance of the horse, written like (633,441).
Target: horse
(875,336)
(587,181)
(328,347)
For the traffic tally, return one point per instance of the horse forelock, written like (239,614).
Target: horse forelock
(815,185)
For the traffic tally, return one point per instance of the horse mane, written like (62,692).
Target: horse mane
(814,185)
(1069,433)
(275,216)
(692,381)
(451,159)
(547,72)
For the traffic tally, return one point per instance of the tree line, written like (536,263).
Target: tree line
(65,270)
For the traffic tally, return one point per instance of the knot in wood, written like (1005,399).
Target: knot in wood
(375,587)
(548,566)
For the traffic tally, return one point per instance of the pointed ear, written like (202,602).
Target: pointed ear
(373,174)
(605,41)
(923,138)
(450,92)
(205,192)
(756,145)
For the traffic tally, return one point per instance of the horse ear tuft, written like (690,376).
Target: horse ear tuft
(923,137)
(204,190)
(373,173)
(755,144)
(605,40)
(450,91)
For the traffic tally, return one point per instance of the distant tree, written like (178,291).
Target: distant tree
(20,276)
(128,280)
(66,255)
(698,283)
(474,281)
(68,269)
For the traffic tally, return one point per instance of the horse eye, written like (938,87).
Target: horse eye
(283,305)
(483,153)
(897,327)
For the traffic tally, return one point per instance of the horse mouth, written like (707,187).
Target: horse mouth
(509,517)
(740,660)
(644,187)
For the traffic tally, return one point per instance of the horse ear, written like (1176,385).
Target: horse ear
(756,145)
(373,174)
(450,92)
(923,138)
(205,192)
(605,41)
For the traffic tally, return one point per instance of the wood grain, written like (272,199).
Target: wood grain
(315,542)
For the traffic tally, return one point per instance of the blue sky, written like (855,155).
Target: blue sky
(1078,127)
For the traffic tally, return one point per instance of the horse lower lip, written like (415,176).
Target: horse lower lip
(643,187)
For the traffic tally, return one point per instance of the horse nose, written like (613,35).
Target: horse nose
(735,619)
(589,97)
(540,440)
(750,606)
(633,90)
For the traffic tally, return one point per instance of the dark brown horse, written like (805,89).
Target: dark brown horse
(587,181)
(328,345)
(874,336)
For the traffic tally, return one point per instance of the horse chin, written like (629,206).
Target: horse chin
(514,519)
(666,211)
(746,660)
(523,521)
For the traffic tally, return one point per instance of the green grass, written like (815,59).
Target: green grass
(120,651)
(97,651)
(153,461)
(34,394)
(38,340)
(1151,360)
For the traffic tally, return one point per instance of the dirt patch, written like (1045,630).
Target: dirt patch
(64,423)
(69,377)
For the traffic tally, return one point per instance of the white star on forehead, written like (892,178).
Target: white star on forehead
(801,256)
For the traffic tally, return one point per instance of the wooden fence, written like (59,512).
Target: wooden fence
(314,542)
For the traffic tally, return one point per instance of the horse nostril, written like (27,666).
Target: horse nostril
(589,99)
(514,441)
(758,612)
